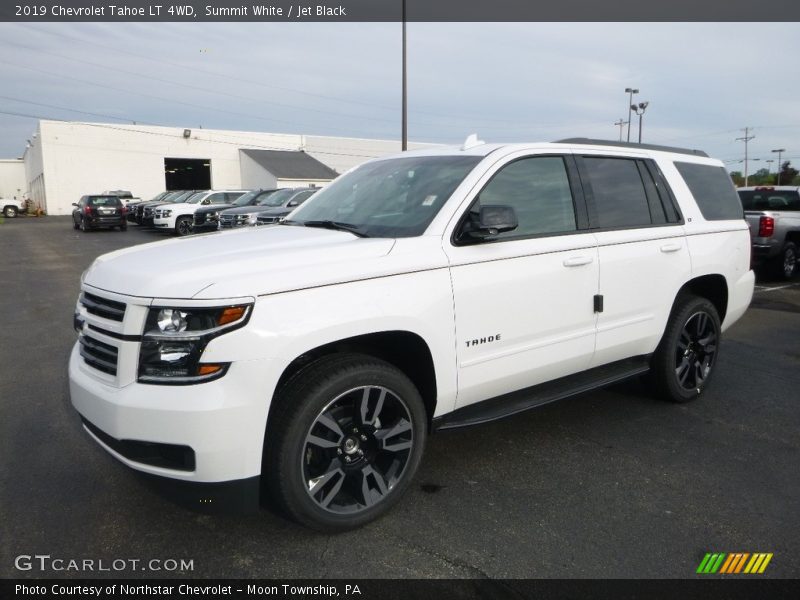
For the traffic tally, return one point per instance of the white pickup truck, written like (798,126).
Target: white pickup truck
(11,207)
(429,290)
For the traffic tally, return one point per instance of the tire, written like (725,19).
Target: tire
(183,226)
(10,212)
(354,425)
(75,224)
(785,265)
(686,357)
(82,226)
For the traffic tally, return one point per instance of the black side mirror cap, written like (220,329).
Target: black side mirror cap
(493,220)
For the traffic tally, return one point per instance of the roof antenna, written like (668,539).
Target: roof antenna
(472,141)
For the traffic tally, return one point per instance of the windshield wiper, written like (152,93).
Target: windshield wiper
(335,225)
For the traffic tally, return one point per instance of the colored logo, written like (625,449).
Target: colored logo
(734,563)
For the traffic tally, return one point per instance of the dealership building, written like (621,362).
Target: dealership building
(66,160)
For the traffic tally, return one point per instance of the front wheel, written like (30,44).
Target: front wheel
(345,439)
(686,357)
(10,211)
(183,226)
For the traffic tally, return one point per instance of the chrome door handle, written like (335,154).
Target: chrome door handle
(577,261)
(671,248)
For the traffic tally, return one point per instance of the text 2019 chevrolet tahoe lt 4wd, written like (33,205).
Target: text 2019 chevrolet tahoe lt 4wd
(424,291)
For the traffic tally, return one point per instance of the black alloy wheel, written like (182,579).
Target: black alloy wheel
(686,357)
(345,437)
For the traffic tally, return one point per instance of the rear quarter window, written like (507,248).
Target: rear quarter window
(713,191)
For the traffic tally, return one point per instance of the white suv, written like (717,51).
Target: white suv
(434,289)
(178,218)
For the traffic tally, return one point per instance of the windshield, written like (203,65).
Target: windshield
(278,198)
(247,199)
(389,198)
(770,199)
(182,196)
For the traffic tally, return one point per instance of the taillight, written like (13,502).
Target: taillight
(124,210)
(88,210)
(766,227)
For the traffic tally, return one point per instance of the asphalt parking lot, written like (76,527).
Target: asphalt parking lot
(608,484)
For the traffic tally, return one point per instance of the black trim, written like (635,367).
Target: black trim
(525,399)
(119,336)
(103,307)
(154,454)
(598,303)
(668,200)
(631,145)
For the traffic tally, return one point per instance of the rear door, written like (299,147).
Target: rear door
(644,256)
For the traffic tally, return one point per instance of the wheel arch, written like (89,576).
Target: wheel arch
(713,287)
(405,350)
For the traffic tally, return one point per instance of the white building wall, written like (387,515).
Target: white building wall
(68,160)
(254,175)
(12,178)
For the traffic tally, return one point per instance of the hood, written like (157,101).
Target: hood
(278,211)
(244,210)
(249,262)
(213,208)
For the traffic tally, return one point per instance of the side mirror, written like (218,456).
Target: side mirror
(75,205)
(492,220)
(292,204)
(206,201)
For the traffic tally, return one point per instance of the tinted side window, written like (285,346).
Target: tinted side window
(218,198)
(713,191)
(619,193)
(538,190)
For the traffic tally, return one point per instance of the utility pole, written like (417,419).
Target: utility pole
(621,123)
(405,86)
(778,178)
(746,139)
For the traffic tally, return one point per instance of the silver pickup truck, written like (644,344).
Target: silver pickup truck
(773,213)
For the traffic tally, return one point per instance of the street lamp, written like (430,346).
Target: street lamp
(630,92)
(779,151)
(639,110)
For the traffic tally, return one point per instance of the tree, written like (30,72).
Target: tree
(738,178)
(789,175)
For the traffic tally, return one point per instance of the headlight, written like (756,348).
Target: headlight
(252,218)
(166,213)
(174,340)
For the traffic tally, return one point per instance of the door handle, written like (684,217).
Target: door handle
(577,261)
(670,248)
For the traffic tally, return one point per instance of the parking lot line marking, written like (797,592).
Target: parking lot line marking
(764,288)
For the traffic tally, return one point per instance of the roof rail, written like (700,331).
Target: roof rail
(631,145)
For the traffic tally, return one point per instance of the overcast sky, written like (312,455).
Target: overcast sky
(507,82)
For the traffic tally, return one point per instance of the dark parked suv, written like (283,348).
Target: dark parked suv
(279,203)
(92,212)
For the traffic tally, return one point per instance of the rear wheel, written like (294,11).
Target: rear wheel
(83,226)
(183,226)
(344,442)
(786,264)
(687,355)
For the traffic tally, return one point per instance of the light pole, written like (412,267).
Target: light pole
(621,123)
(630,92)
(769,162)
(639,110)
(405,87)
(778,178)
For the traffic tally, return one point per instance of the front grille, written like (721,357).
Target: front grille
(148,212)
(227,220)
(98,355)
(102,307)
(268,220)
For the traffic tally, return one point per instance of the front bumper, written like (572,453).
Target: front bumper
(221,423)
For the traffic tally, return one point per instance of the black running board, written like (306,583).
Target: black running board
(544,393)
